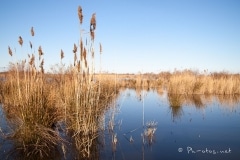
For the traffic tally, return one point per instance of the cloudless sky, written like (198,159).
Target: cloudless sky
(136,35)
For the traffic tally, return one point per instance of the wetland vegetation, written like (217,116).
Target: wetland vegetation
(72,112)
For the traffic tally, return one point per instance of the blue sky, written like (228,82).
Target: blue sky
(137,35)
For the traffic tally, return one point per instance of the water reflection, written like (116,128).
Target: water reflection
(196,100)
(139,124)
(175,104)
(147,133)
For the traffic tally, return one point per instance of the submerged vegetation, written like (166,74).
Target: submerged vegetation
(43,109)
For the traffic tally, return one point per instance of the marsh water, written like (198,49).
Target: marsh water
(147,124)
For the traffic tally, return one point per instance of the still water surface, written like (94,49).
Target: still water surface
(198,127)
(153,125)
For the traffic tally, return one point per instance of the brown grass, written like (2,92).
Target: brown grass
(37,101)
(185,82)
(188,82)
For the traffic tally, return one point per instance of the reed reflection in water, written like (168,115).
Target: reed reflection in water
(151,124)
(172,121)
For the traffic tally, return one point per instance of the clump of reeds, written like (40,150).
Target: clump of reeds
(73,95)
(82,96)
(149,131)
(32,102)
(175,100)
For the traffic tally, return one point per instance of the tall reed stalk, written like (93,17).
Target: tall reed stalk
(72,95)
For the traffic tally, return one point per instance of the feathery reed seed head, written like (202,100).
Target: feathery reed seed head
(93,22)
(32,59)
(75,48)
(93,26)
(20,40)
(80,15)
(40,52)
(100,47)
(9,51)
(32,31)
(62,54)
(30,44)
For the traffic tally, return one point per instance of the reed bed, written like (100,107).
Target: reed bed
(36,102)
(137,81)
(189,82)
(76,97)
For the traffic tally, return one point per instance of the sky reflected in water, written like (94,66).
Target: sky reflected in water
(195,127)
(150,124)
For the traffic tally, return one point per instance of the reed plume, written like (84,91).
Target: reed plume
(93,26)
(9,51)
(40,52)
(100,48)
(80,15)
(30,43)
(62,54)
(20,40)
(32,31)
(93,22)
(32,60)
(70,97)
(75,48)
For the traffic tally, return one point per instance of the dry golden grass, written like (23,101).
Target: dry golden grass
(37,101)
(189,82)
(184,82)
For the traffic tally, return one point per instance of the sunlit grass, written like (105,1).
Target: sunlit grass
(37,101)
